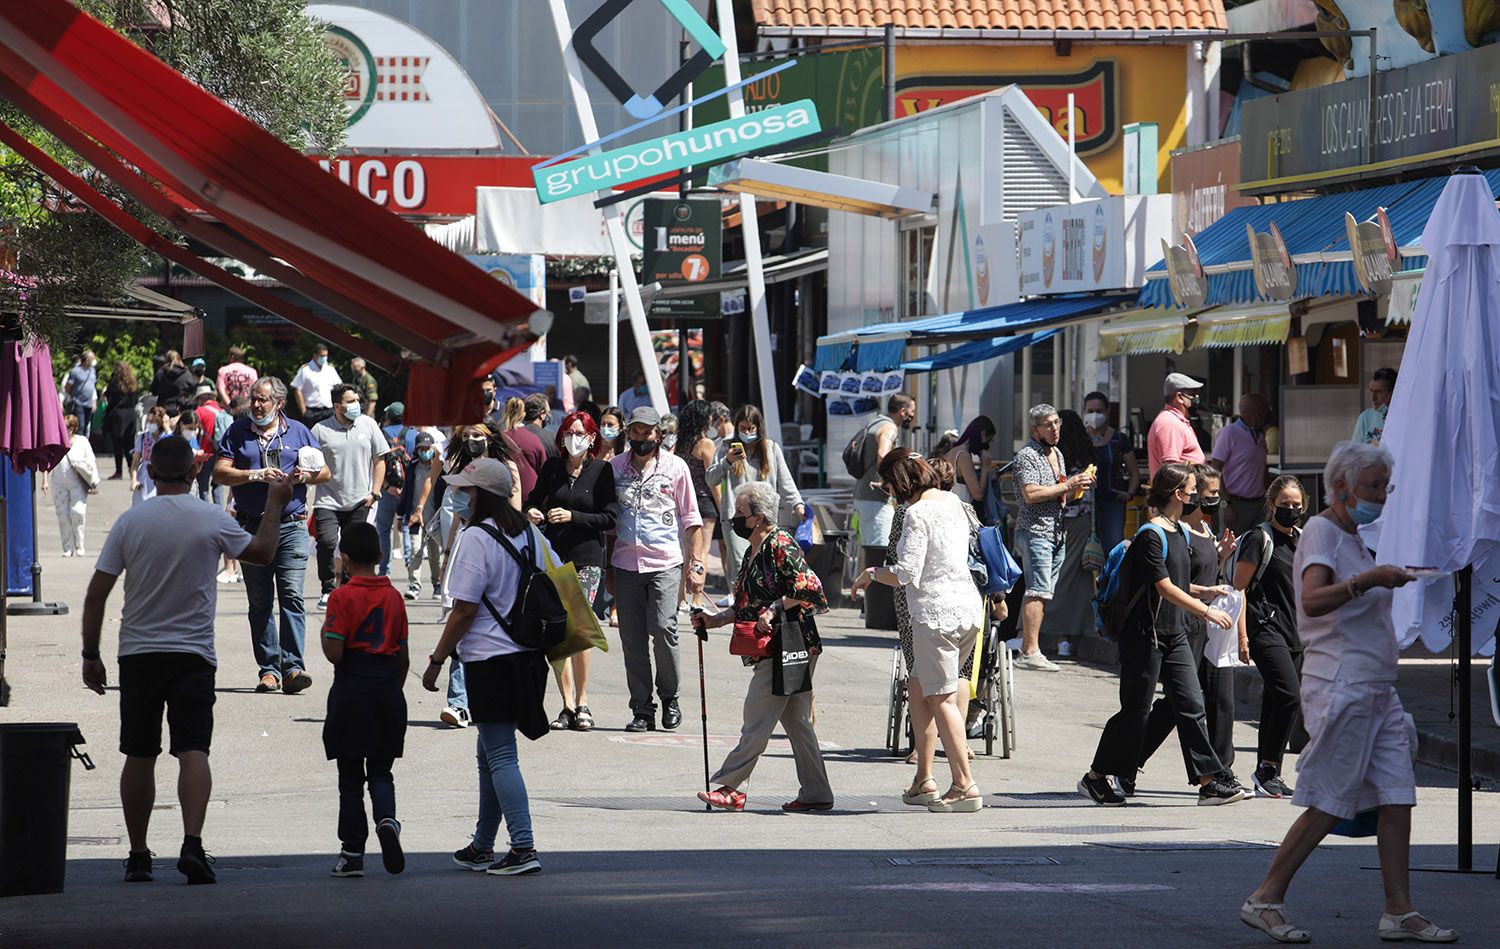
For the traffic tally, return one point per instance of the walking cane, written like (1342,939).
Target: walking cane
(702,633)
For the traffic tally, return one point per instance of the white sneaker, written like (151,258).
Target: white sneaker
(1036,662)
(413,590)
(323,603)
(1065,650)
(228,576)
(455,717)
(724,601)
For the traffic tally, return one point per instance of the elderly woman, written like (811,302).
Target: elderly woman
(77,478)
(773,572)
(932,563)
(1359,756)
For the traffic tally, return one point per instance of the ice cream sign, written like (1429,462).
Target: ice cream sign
(1095,245)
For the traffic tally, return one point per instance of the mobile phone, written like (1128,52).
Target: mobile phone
(1424,571)
(738,446)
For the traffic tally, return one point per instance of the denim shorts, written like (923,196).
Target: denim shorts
(1041,562)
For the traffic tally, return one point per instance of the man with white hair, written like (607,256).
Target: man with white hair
(1172,437)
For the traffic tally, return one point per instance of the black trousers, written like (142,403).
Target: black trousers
(1218,701)
(1280,669)
(1142,663)
(328,523)
(354,774)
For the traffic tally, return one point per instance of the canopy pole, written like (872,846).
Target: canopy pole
(1463,588)
(613,224)
(760,324)
(1026,382)
(1057,369)
(614,338)
(1124,400)
(1239,377)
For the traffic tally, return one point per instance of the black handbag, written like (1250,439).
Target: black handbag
(791,661)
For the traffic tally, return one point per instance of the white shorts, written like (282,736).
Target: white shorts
(936,654)
(1359,755)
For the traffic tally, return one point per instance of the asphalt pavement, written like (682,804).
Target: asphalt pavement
(629,856)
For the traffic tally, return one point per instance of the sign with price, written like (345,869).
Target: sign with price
(682,245)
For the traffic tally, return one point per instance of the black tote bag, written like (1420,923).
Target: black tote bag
(791,663)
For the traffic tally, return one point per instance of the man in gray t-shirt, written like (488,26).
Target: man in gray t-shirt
(354,448)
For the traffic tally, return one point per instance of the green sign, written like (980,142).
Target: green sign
(699,146)
(684,245)
(847,87)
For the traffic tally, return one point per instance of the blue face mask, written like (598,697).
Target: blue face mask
(1362,511)
(351,411)
(322,361)
(462,504)
(747,437)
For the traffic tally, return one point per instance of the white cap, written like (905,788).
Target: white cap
(1176,382)
(486,474)
(310,459)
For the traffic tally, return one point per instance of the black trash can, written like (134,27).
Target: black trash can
(880,600)
(35,767)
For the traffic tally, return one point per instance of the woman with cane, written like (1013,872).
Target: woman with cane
(773,573)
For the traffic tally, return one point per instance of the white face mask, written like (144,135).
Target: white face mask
(576,444)
(1095,420)
(748,437)
(669,441)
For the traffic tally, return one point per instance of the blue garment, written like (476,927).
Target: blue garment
(393,432)
(458,687)
(386,511)
(280,655)
(242,445)
(502,790)
(84,389)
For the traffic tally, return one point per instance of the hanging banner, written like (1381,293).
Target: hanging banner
(1185,273)
(1373,246)
(1275,273)
(683,246)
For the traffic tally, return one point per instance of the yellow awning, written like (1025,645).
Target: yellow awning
(1242,326)
(1151,330)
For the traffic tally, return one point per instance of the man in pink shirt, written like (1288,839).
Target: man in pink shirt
(1240,452)
(658,527)
(1172,437)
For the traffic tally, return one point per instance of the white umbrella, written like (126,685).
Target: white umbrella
(1443,427)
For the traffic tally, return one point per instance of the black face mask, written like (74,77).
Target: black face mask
(741,527)
(1210,505)
(1288,516)
(982,446)
(907,422)
(642,447)
(1190,505)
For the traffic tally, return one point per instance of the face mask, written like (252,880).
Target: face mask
(1209,505)
(906,422)
(748,438)
(263,420)
(1094,420)
(669,442)
(152,428)
(741,527)
(576,444)
(475,446)
(425,454)
(489,397)
(982,446)
(463,504)
(189,433)
(1288,516)
(351,411)
(643,447)
(1364,512)
(609,433)
(1190,505)
(322,361)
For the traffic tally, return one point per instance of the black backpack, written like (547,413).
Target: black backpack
(538,619)
(854,452)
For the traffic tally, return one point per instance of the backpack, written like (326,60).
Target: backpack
(397,461)
(854,452)
(537,619)
(1001,570)
(1260,569)
(222,421)
(1112,608)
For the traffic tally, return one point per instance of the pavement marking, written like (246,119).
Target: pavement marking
(973,862)
(1183,846)
(1010,886)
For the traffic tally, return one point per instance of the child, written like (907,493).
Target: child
(364,636)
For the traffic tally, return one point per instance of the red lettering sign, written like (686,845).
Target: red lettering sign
(429,185)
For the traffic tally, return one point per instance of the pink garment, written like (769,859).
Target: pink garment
(657,505)
(1171,439)
(1242,451)
(32,429)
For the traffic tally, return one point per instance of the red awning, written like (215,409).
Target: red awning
(386,277)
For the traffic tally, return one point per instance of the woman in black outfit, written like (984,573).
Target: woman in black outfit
(1275,647)
(1208,553)
(119,418)
(695,447)
(1153,645)
(574,502)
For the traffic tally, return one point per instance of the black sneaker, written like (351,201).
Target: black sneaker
(643,722)
(138,867)
(671,715)
(1230,778)
(471,859)
(349,865)
(1126,784)
(196,865)
(1099,791)
(1268,783)
(389,832)
(516,863)
(1218,791)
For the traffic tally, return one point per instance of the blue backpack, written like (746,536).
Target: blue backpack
(1111,609)
(1001,570)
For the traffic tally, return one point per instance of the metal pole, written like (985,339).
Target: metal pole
(1027,359)
(760,323)
(1463,584)
(614,338)
(1072,154)
(1238,389)
(1057,368)
(888,45)
(1125,398)
(1370,123)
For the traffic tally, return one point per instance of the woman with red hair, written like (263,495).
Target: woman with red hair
(574,504)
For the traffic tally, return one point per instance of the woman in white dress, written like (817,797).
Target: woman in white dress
(932,564)
(70,484)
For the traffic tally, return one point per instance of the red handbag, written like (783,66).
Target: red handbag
(748,640)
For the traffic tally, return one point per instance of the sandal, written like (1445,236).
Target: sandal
(964,804)
(1394,929)
(563,721)
(1252,914)
(725,799)
(922,797)
(268,683)
(583,719)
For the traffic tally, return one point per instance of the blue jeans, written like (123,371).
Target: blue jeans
(385,520)
(458,690)
(502,790)
(1110,524)
(281,656)
(1042,556)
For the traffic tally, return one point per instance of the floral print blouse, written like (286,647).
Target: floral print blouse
(778,570)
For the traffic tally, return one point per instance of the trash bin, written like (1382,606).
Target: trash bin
(880,600)
(35,767)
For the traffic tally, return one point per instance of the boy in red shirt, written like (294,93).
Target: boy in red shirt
(364,636)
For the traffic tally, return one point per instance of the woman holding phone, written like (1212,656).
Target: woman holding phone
(752,456)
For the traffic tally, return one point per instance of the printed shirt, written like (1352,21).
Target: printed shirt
(367,614)
(1242,450)
(248,450)
(1369,427)
(656,506)
(778,569)
(235,380)
(1033,467)
(1171,439)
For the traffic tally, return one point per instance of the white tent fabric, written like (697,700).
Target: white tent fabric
(1444,425)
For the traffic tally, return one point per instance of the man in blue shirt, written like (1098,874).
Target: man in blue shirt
(259,448)
(81,391)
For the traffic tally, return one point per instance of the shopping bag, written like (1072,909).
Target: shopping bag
(1223,649)
(805,533)
(791,663)
(583,626)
